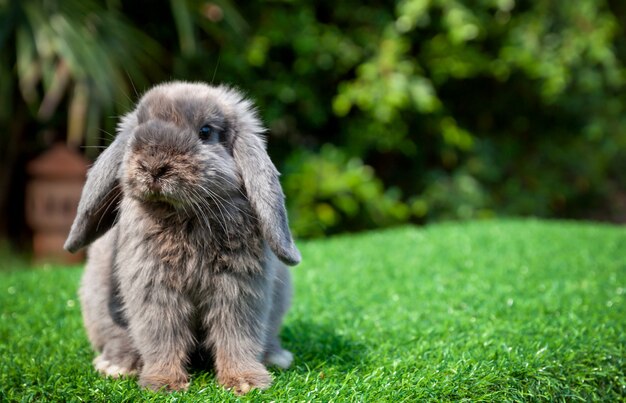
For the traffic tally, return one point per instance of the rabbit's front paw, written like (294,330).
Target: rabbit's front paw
(168,381)
(244,380)
(109,368)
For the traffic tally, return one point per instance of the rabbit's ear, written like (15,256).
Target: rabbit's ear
(97,209)
(260,179)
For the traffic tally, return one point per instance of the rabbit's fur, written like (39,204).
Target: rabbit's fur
(190,237)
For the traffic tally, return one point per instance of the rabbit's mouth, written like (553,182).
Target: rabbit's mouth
(153,197)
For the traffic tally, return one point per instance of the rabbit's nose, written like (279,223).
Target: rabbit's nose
(156,171)
(159,171)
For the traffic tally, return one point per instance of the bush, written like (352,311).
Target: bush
(330,192)
(417,110)
(438,109)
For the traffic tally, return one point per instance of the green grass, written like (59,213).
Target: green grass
(485,311)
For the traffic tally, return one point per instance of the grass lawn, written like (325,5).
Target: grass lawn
(484,311)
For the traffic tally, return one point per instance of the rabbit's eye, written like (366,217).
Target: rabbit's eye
(209,133)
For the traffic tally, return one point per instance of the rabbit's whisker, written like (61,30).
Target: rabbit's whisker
(216,198)
(115,199)
(197,212)
(110,135)
(217,203)
(198,203)
(222,222)
(229,202)
(231,183)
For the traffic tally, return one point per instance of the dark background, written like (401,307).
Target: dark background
(380,112)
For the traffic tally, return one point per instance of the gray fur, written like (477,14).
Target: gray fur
(98,201)
(192,259)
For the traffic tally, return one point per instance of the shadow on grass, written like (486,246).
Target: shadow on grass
(312,344)
(316,345)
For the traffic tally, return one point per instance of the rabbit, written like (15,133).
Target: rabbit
(189,242)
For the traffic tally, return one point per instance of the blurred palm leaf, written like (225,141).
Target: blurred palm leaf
(191,14)
(77,49)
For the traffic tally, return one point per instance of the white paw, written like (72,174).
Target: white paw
(107,368)
(281,359)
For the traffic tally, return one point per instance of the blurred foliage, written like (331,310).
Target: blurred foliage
(74,55)
(336,193)
(438,109)
(65,72)
(386,112)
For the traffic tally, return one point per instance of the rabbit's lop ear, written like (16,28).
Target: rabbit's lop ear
(260,179)
(97,209)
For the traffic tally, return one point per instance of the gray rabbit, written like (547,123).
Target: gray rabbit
(190,241)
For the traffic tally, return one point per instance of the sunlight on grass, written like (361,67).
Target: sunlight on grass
(502,310)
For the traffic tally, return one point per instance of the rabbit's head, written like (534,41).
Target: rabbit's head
(181,152)
(186,144)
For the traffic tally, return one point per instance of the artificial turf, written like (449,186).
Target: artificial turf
(484,311)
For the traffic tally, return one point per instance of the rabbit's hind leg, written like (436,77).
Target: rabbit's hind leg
(118,358)
(274,354)
(106,332)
